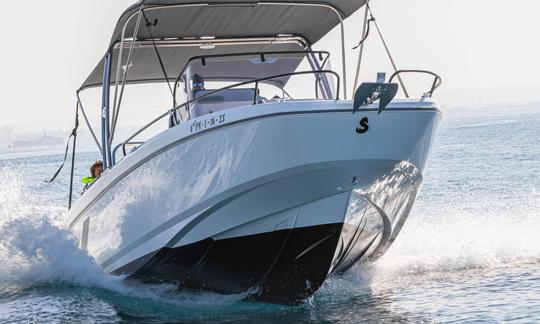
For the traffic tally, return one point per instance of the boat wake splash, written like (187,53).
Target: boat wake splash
(453,240)
(36,248)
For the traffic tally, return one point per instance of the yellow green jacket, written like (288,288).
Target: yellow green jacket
(88,180)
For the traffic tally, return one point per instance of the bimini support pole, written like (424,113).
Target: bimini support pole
(390,57)
(74,134)
(361,52)
(117,101)
(105,124)
(343,57)
(88,123)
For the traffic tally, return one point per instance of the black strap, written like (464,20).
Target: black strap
(73,134)
(371,19)
(149,24)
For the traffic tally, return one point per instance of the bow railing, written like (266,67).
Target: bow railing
(186,104)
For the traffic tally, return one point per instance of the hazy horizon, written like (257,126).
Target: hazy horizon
(492,62)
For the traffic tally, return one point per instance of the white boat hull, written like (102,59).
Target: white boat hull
(272,198)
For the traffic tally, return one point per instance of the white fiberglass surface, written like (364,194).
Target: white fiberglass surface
(190,174)
(160,186)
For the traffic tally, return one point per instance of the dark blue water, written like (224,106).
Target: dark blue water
(470,250)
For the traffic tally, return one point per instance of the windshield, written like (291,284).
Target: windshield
(254,78)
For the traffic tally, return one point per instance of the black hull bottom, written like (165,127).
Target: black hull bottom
(285,266)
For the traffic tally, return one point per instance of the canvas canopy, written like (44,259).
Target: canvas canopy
(199,21)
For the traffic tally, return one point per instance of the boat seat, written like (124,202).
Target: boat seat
(222,100)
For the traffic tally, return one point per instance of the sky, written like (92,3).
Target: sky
(487,52)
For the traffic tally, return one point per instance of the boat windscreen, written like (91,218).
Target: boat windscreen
(244,67)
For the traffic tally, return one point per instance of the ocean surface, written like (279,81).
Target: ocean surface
(469,252)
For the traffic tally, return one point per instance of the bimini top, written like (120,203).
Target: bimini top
(183,29)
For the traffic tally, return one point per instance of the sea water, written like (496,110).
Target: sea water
(470,250)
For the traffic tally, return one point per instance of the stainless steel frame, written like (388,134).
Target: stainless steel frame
(179,42)
(270,3)
(309,54)
(105,110)
(118,99)
(107,132)
(186,104)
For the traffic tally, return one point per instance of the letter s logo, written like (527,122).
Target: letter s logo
(364,127)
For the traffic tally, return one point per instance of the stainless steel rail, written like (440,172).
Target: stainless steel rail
(256,82)
(437,81)
(122,145)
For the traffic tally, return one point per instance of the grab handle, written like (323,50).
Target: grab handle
(437,81)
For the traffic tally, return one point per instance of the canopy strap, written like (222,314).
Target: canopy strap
(148,25)
(88,123)
(72,135)
(365,28)
(389,56)
(365,33)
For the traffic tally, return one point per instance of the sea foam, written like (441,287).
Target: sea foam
(37,249)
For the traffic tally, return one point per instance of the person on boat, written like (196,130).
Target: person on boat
(95,172)
(197,83)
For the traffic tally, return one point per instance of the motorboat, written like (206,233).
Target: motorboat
(266,177)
